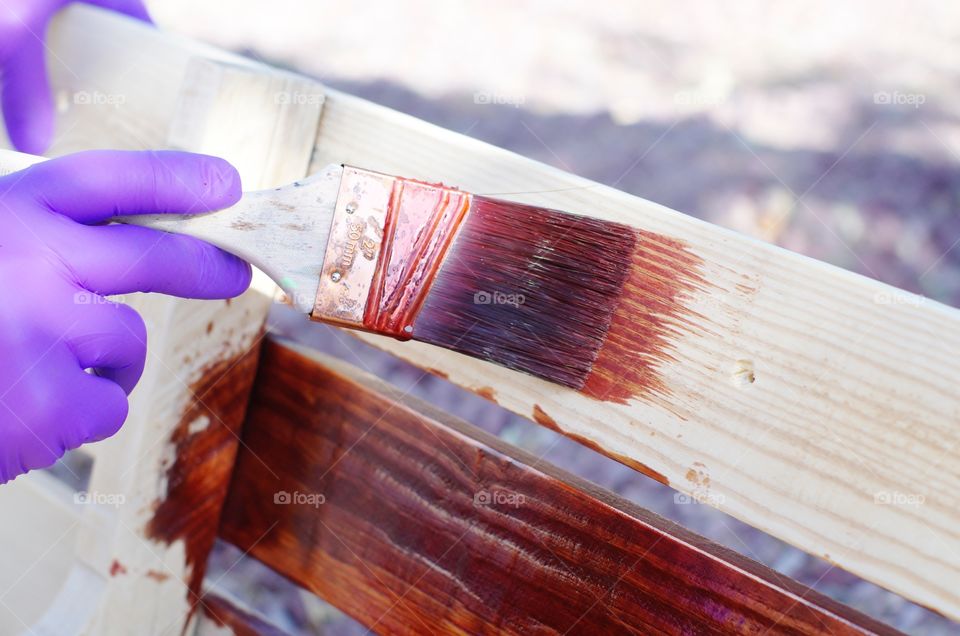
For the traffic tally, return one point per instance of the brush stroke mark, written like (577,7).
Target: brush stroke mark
(651,313)
(197,480)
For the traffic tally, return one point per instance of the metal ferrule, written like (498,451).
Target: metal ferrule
(388,238)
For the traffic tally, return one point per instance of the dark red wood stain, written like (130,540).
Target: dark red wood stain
(540,417)
(430,525)
(650,313)
(438,373)
(197,480)
(487,393)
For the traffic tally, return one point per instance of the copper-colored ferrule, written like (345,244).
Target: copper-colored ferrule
(388,238)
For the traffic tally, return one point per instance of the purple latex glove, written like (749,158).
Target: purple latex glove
(57,263)
(27,105)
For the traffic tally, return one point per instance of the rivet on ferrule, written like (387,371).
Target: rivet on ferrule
(388,238)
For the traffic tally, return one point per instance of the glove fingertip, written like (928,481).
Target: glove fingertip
(111,414)
(33,138)
(236,279)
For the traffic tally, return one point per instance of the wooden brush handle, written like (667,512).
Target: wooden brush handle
(12,161)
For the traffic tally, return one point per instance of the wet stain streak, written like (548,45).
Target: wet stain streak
(198,478)
(487,393)
(651,312)
(540,417)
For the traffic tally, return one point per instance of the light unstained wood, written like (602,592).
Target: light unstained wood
(39,530)
(96,56)
(803,397)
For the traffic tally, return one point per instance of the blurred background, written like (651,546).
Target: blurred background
(828,128)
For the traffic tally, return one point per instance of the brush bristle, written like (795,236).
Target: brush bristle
(528,288)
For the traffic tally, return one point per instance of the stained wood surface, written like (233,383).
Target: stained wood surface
(412,521)
(810,402)
(224,615)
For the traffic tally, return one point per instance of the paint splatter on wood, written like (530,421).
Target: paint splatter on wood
(487,393)
(198,478)
(159,577)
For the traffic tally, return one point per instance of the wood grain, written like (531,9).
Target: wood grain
(412,521)
(802,399)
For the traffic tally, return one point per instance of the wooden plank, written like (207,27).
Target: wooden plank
(176,453)
(223,615)
(38,533)
(410,521)
(94,56)
(804,396)
(810,402)
(173,458)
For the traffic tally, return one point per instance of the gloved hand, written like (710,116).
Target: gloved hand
(27,105)
(57,263)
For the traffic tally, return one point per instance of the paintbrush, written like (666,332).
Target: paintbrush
(528,288)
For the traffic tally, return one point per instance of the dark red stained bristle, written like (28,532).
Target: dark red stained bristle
(651,312)
(529,288)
